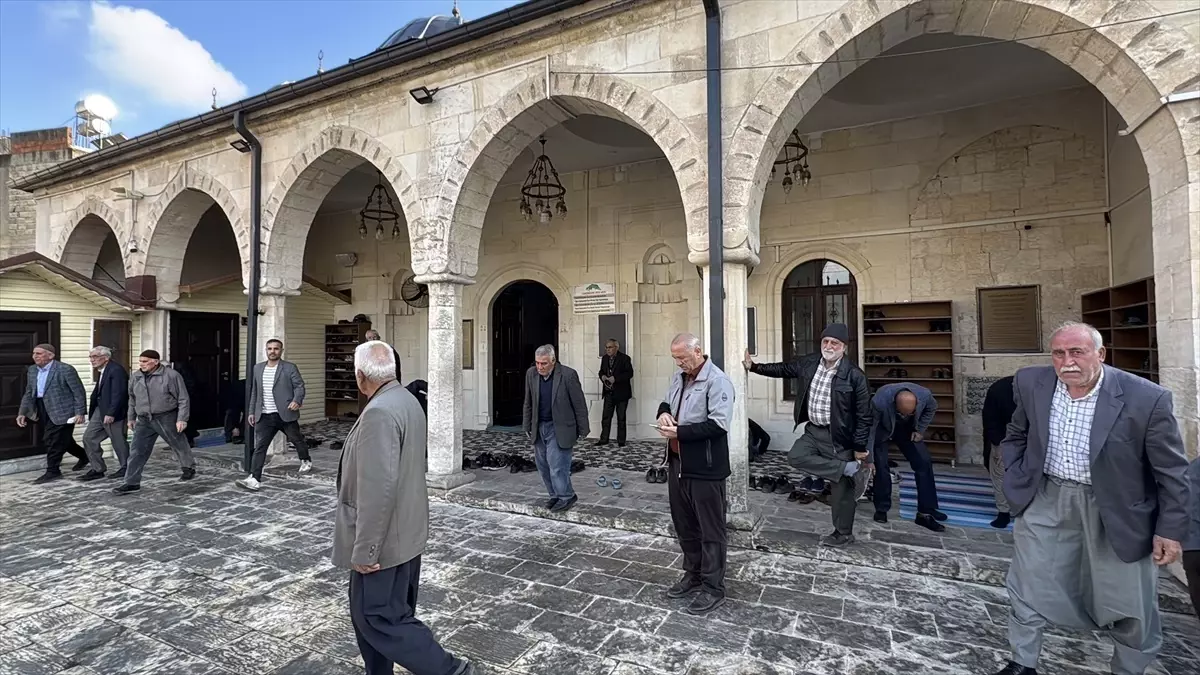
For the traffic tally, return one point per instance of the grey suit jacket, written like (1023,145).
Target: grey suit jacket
(568,407)
(1138,462)
(288,387)
(383,508)
(64,396)
(1192,543)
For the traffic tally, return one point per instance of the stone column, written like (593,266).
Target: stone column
(154,327)
(445,395)
(272,323)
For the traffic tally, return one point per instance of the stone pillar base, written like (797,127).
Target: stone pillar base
(448,481)
(744,521)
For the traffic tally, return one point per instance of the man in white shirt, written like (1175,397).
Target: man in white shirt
(276,394)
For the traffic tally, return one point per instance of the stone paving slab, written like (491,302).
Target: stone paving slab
(203,578)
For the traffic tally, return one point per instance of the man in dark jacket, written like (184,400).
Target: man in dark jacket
(834,404)
(998,409)
(903,411)
(233,408)
(616,376)
(694,418)
(1191,545)
(107,410)
(554,417)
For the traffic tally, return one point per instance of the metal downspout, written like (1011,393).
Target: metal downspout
(239,124)
(716,244)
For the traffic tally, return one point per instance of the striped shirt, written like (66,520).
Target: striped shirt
(268,389)
(820,396)
(1069,454)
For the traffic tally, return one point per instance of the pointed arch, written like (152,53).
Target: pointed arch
(173,218)
(83,233)
(449,243)
(289,211)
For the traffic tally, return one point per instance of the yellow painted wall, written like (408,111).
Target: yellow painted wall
(21,291)
(304,329)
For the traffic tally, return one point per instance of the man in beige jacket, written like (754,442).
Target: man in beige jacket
(383,522)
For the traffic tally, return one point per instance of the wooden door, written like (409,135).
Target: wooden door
(117,335)
(20,332)
(204,351)
(509,360)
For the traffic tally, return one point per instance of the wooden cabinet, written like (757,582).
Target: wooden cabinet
(1125,316)
(341,389)
(914,342)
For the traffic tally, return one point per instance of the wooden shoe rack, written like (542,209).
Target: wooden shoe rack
(1125,317)
(341,389)
(914,342)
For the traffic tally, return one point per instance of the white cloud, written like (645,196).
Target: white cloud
(58,14)
(139,48)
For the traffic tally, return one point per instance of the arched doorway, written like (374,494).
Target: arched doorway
(524,317)
(815,294)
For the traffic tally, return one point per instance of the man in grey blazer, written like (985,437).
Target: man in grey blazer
(1095,475)
(276,394)
(1191,546)
(555,416)
(54,397)
(382,522)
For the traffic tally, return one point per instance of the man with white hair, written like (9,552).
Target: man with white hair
(554,417)
(107,410)
(382,522)
(1095,476)
(373,334)
(694,418)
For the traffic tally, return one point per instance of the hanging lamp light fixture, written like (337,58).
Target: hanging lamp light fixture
(794,162)
(542,187)
(375,211)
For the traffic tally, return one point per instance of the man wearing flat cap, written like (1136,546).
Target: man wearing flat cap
(834,404)
(54,397)
(158,407)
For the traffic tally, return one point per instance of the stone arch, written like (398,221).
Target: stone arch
(1132,65)
(451,244)
(84,231)
(174,216)
(314,171)
(486,292)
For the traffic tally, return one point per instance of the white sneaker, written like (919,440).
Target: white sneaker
(305,466)
(249,482)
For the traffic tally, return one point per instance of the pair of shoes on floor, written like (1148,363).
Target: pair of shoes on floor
(780,483)
(656,474)
(518,464)
(801,497)
(616,483)
(702,603)
(945,436)
(812,485)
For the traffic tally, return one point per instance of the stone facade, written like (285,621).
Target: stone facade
(948,218)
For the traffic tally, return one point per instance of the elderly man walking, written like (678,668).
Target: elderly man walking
(107,410)
(276,394)
(382,522)
(555,416)
(55,399)
(1095,475)
(1191,547)
(834,403)
(160,405)
(694,418)
(903,412)
(616,377)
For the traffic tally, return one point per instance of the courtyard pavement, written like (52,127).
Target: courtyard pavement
(205,579)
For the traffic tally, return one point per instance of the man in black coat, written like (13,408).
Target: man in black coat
(616,374)
(233,408)
(998,408)
(108,408)
(834,402)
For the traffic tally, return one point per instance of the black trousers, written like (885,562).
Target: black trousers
(233,420)
(1191,567)
(383,608)
(698,514)
(57,439)
(265,428)
(760,440)
(606,419)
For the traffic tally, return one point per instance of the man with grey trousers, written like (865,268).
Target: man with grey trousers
(107,412)
(160,407)
(1095,473)
(276,394)
(903,413)
(382,522)
(554,417)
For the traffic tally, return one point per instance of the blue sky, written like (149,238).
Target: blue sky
(159,61)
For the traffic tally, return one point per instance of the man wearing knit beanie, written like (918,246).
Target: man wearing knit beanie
(834,404)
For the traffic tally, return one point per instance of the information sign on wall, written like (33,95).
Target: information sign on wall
(594,298)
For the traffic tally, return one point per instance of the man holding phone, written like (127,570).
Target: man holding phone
(694,418)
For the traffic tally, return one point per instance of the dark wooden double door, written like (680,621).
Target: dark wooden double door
(20,332)
(524,317)
(204,350)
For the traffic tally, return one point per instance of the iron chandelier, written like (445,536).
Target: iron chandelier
(794,162)
(541,187)
(375,211)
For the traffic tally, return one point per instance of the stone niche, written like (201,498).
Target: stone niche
(659,279)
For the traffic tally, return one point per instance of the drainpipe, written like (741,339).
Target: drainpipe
(716,243)
(239,124)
